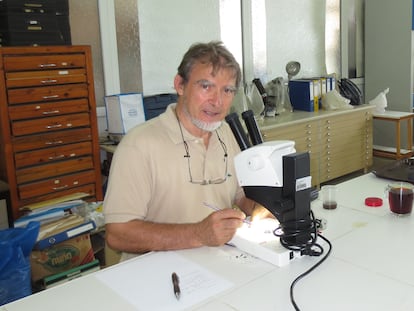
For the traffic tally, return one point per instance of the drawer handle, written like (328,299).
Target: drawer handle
(50,96)
(56,142)
(60,188)
(47,65)
(53,126)
(57,157)
(48,81)
(50,112)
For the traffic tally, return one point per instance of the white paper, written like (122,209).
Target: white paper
(145,281)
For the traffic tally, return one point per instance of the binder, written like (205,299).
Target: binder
(67,222)
(65,276)
(301,93)
(65,235)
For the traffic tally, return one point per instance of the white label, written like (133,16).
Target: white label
(303,183)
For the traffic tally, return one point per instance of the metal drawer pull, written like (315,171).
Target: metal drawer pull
(48,81)
(47,65)
(51,96)
(60,188)
(57,142)
(57,157)
(53,126)
(50,112)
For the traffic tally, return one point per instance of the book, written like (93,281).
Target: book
(54,202)
(64,235)
(42,217)
(65,276)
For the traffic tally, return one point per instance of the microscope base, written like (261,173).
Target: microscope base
(259,241)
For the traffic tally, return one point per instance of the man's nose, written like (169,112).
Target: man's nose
(217,97)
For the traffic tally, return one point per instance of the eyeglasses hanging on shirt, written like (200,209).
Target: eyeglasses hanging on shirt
(187,155)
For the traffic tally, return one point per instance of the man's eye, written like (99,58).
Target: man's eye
(230,90)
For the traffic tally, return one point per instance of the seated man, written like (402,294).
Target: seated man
(166,168)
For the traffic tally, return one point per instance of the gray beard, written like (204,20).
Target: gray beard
(205,126)
(208,127)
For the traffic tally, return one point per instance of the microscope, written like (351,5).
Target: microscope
(274,175)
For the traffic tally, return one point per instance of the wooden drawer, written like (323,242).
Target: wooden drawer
(43,62)
(56,184)
(292,132)
(39,172)
(39,94)
(49,155)
(89,189)
(46,77)
(50,124)
(46,140)
(20,112)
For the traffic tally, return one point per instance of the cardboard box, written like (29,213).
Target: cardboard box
(61,257)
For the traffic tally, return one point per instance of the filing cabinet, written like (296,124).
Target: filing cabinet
(49,138)
(338,142)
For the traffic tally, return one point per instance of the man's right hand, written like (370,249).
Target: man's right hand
(219,227)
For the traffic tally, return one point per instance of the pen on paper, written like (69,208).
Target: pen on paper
(219,209)
(176,285)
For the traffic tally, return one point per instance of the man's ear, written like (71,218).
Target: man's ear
(179,84)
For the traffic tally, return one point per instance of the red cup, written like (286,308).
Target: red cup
(400,197)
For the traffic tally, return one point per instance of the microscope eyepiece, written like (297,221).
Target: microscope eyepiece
(238,131)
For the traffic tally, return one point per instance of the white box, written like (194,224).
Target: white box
(123,112)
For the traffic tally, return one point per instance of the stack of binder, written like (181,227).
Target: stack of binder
(307,93)
(63,251)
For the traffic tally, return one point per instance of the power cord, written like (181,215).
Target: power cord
(302,230)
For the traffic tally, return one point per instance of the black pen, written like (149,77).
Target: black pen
(176,284)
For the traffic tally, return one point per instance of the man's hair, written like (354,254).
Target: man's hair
(214,53)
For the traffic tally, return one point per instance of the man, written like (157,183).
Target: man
(165,169)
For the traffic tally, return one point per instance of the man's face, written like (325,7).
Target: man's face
(207,98)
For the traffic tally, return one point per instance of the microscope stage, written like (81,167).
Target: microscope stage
(257,239)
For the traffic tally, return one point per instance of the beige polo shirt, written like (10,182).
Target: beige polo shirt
(149,176)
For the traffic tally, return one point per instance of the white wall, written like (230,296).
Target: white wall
(288,29)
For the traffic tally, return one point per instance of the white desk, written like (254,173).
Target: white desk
(370,268)
(398,152)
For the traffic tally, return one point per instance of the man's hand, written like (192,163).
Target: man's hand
(219,227)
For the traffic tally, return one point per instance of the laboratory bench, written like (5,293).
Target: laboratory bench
(369,268)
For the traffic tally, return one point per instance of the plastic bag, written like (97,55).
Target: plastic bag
(380,101)
(16,245)
(335,101)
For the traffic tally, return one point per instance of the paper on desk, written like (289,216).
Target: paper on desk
(145,281)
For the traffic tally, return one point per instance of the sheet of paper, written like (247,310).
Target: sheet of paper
(146,283)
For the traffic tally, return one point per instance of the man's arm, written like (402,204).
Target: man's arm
(139,236)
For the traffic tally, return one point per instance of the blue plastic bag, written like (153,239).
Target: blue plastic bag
(16,245)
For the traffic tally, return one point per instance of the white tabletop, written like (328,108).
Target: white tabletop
(389,114)
(370,268)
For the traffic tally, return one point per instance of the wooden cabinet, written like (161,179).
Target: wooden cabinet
(49,138)
(346,144)
(338,142)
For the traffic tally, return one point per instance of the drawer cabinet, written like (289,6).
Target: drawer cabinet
(338,142)
(306,138)
(49,138)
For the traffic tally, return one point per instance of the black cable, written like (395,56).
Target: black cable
(289,232)
(292,298)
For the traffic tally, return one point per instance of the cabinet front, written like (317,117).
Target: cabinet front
(306,138)
(49,110)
